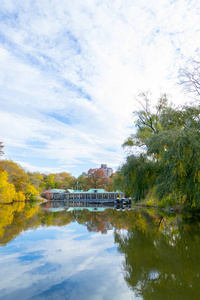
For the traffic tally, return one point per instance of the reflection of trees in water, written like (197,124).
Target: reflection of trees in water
(18,217)
(15,218)
(162,259)
(161,253)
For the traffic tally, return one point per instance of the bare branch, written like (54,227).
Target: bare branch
(190,78)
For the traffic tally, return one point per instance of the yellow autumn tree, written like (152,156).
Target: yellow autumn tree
(19,196)
(31,191)
(7,190)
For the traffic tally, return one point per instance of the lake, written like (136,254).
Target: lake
(54,251)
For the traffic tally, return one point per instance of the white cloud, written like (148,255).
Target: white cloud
(64,255)
(70,73)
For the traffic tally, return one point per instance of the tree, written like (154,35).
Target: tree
(1,153)
(170,139)
(82,182)
(109,186)
(31,191)
(147,123)
(190,78)
(7,190)
(50,182)
(36,180)
(67,181)
(96,178)
(59,181)
(19,179)
(1,148)
(17,175)
(179,148)
(136,176)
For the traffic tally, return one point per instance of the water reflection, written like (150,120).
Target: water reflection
(70,252)
(162,257)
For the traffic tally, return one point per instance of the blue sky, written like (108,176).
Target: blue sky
(70,72)
(58,261)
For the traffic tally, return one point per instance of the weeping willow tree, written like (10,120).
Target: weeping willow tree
(147,123)
(170,140)
(179,148)
(137,176)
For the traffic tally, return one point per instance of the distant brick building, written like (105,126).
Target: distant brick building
(108,171)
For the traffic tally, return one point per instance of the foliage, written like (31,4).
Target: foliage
(59,181)
(160,255)
(31,191)
(179,164)
(109,185)
(170,139)
(178,146)
(50,181)
(147,122)
(96,178)
(36,179)
(15,184)
(19,196)
(136,177)
(82,182)
(17,175)
(7,190)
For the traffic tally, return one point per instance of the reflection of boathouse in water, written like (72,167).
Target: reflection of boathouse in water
(92,194)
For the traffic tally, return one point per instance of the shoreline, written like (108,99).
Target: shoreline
(180,209)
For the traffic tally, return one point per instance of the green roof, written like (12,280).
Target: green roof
(91,191)
(74,191)
(96,191)
(70,190)
(56,191)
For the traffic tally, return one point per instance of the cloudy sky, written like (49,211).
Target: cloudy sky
(59,262)
(70,72)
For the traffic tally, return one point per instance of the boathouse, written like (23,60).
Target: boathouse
(92,194)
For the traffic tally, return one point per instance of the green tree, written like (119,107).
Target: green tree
(50,182)
(67,181)
(179,148)
(60,181)
(82,182)
(137,176)
(170,139)
(147,123)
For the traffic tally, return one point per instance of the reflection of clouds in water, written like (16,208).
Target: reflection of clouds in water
(68,263)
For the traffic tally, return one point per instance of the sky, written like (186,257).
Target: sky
(70,73)
(64,261)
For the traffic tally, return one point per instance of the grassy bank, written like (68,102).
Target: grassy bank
(168,205)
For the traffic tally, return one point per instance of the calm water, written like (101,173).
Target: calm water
(54,252)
